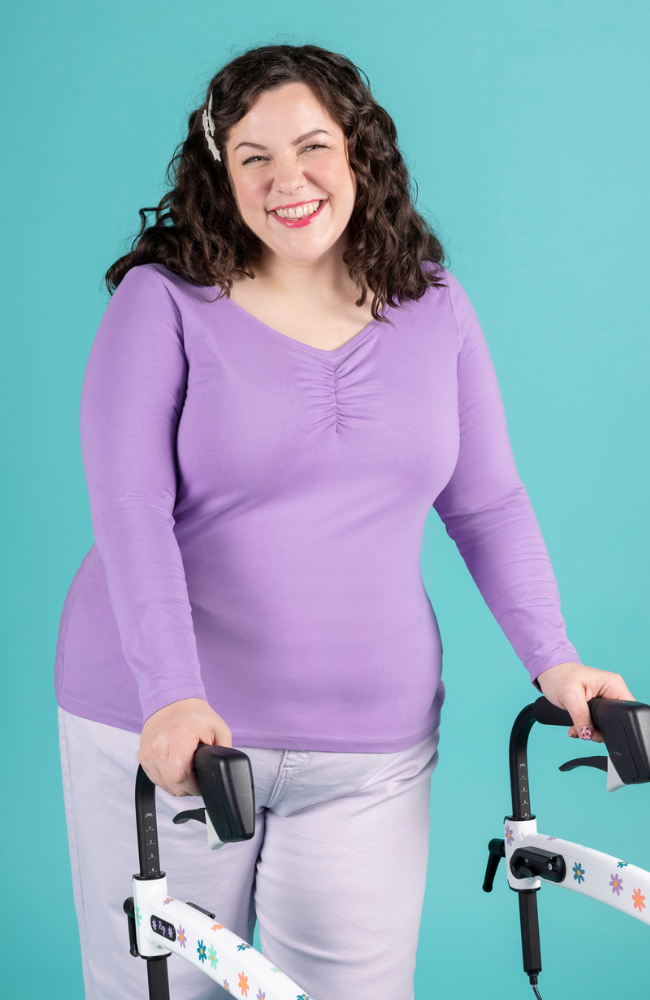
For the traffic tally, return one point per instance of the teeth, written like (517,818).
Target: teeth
(298,213)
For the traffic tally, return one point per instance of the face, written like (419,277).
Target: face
(290,174)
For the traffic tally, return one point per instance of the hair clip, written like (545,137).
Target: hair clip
(208,128)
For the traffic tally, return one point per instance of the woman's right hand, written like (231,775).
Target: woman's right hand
(169,740)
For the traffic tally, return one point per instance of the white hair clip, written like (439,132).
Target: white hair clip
(208,128)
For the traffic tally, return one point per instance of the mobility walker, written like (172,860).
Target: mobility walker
(532,858)
(160,925)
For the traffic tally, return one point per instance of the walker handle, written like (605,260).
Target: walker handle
(548,715)
(625,726)
(225,780)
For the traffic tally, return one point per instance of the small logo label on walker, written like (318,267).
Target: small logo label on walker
(163,928)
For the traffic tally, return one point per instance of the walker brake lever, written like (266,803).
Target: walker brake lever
(606,764)
(184,817)
(497,849)
(599,762)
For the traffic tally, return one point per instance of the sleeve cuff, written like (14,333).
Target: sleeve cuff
(169,696)
(565,654)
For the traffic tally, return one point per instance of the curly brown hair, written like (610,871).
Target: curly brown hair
(198,232)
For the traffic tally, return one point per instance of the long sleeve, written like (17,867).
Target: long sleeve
(488,514)
(132,397)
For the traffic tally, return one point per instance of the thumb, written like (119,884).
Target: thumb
(575,702)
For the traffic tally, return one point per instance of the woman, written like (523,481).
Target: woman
(284,382)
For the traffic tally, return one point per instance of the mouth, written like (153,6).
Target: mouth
(302,214)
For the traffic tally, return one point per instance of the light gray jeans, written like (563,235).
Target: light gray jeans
(334,875)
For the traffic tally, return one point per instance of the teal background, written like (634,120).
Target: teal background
(525,125)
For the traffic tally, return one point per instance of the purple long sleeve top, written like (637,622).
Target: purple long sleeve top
(258,508)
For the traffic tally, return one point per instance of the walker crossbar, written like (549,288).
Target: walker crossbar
(532,857)
(160,925)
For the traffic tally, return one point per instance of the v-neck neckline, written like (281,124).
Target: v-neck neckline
(299,345)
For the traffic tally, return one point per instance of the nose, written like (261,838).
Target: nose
(288,177)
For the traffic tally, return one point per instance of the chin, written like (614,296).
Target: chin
(303,250)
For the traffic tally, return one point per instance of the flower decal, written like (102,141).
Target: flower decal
(226,986)
(509,835)
(217,927)
(182,936)
(639,900)
(212,955)
(168,900)
(138,915)
(551,838)
(616,883)
(202,952)
(303,996)
(621,864)
(578,873)
(243,946)
(243,984)
(275,969)
(260,995)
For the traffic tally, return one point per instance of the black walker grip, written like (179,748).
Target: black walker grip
(548,715)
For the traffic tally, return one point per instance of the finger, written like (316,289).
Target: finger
(575,702)
(596,738)
(615,687)
(179,770)
(153,773)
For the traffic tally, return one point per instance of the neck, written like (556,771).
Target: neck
(315,281)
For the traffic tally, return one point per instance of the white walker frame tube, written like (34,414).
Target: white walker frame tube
(533,858)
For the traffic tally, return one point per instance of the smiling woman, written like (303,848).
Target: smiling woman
(288,120)
(283,384)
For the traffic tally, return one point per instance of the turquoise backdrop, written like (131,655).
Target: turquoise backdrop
(525,124)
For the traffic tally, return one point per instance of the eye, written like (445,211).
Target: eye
(253,159)
(314,145)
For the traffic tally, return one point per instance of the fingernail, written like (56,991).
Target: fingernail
(586,733)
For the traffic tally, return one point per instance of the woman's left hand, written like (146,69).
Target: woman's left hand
(572,685)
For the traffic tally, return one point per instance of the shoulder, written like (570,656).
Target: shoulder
(447,286)
(155,282)
(446,293)
(447,306)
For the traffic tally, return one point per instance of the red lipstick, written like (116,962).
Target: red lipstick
(298,223)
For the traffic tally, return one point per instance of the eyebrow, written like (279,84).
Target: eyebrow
(296,142)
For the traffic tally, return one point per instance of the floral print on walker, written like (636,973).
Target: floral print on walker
(616,883)
(578,873)
(639,900)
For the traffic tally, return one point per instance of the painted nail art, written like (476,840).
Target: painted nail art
(586,733)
